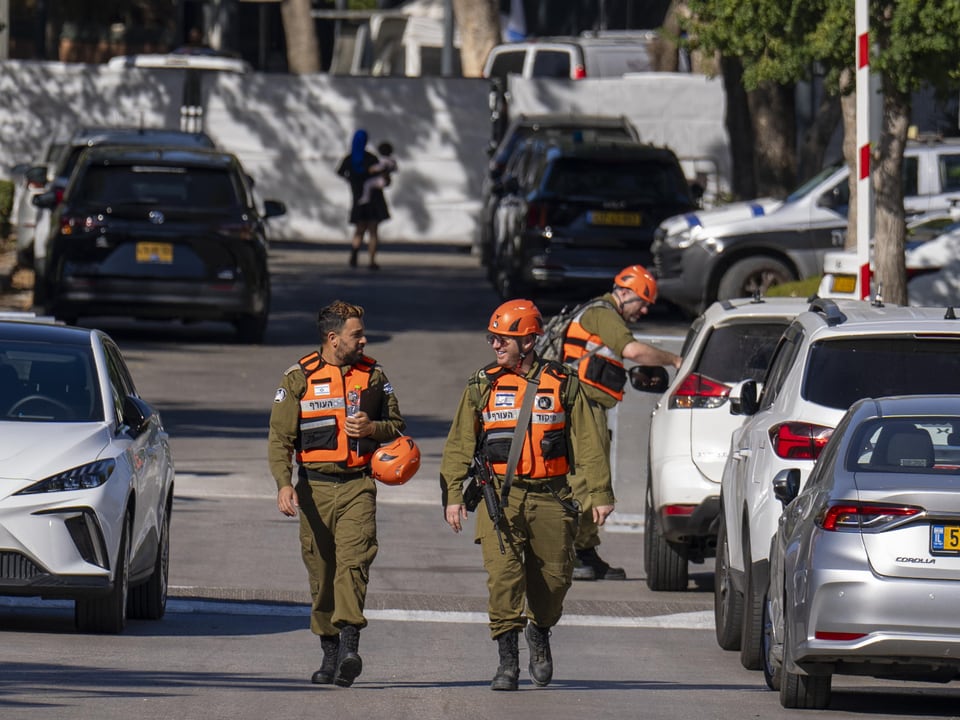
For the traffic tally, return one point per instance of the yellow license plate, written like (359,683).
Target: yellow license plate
(945,538)
(615,218)
(844,283)
(155,253)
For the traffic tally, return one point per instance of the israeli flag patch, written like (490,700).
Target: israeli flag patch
(503,399)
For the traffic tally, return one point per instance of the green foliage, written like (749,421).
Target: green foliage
(6,206)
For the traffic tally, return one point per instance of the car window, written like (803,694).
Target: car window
(807,187)
(909,176)
(158,185)
(507,62)
(645,181)
(551,64)
(822,472)
(949,173)
(905,445)
(40,382)
(739,350)
(783,358)
(121,384)
(695,327)
(840,372)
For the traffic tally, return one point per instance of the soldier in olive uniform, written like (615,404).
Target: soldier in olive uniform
(529,578)
(596,343)
(332,410)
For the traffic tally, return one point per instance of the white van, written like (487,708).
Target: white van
(609,54)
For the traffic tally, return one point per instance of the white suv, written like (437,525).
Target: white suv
(831,356)
(690,431)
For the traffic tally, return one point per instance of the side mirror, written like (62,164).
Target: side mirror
(744,398)
(786,485)
(36,176)
(136,414)
(46,200)
(273,208)
(649,378)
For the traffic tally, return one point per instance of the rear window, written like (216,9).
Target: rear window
(640,181)
(158,185)
(551,64)
(739,351)
(507,62)
(906,445)
(840,372)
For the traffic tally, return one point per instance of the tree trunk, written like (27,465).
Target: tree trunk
(817,137)
(773,111)
(740,129)
(848,105)
(890,267)
(479,25)
(303,50)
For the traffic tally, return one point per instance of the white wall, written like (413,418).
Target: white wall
(290,132)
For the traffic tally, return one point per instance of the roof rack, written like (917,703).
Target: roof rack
(829,309)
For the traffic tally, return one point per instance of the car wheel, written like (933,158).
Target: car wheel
(808,692)
(727,601)
(148,601)
(753,275)
(772,664)
(666,561)
(108,614)
(507,277)
(751,636)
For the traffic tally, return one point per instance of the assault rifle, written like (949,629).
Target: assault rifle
(482,483)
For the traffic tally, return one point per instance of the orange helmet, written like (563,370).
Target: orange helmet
(517,318)
(638,279)
(396,462)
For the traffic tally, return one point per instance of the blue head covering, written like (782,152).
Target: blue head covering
(358,150)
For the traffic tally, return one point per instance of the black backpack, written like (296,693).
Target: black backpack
(549,346)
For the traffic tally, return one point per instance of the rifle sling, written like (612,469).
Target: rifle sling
(516,443)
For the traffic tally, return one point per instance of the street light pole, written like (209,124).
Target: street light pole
(864,184)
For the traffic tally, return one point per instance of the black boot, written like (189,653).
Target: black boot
(541,660)
(353,256)
(349,664)
(509,671)
(328,668)
(601,569)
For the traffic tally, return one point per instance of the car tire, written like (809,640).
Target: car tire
(727,601)
(108,614)
(148,601)
(752,275)
(751,635)
(507,276)
(772,666)
(807,692)
(666,561)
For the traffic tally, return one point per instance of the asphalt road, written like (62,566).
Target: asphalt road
(235,642)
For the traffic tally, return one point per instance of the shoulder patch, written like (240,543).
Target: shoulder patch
(280,395)
(295,366)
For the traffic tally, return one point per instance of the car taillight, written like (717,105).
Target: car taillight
(58,195)
(579,72)
(699,391)
(863,516)
(799,441)
(239,231)
(76,224)
(536,215)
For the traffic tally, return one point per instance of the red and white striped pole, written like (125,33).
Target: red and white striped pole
(864,186)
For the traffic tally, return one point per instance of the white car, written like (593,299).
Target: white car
(86,477)
(831,356)
(690,431)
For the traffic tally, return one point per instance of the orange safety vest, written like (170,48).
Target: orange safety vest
(597,365)
(323,411)
(544,452)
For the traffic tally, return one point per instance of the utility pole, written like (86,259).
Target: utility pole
(864,184)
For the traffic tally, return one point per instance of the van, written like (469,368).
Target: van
(593,55)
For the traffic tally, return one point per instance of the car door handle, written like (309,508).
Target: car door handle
(741,453)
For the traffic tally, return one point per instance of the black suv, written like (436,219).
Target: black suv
(160,234)
(580,212)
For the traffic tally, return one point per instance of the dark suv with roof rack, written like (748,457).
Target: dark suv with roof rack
(579,212)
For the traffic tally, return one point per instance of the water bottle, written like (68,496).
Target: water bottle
(353,407)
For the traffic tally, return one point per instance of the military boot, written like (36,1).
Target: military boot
(349,664)
(541,659)
(509,671)
(601,570)
(328,668)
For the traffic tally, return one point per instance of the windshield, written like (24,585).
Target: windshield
(40,382)
(637,181)
(810,184)
(157,185)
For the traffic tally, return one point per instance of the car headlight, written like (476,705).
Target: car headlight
(680,240)
(84,477)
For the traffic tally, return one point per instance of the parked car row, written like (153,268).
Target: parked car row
(150,223)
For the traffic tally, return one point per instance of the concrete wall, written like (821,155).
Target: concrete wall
(291,132)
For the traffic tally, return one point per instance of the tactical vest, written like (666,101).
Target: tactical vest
(544,452)
(597,365)
(323,411)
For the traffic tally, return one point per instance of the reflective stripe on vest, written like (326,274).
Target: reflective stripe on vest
(544,452)
(323,411)
(579,344)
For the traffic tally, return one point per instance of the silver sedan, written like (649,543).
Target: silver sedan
(865,563)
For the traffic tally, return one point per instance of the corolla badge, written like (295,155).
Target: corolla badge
(156,217)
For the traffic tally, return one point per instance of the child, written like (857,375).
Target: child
(379,173)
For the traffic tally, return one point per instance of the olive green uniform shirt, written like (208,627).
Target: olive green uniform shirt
(607,324)
(590,462)
(285,422)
